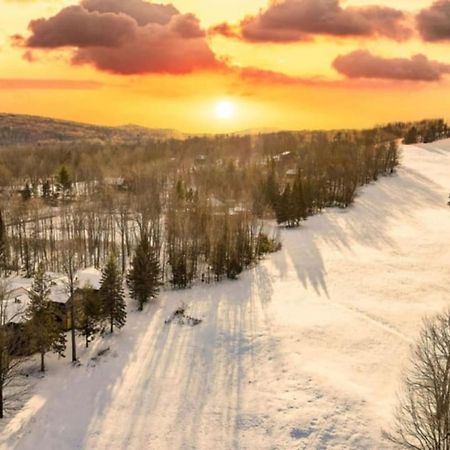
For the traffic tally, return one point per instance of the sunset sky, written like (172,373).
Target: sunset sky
(226,65)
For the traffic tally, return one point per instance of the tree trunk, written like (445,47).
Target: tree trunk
(72,331)
(42,362)
(123,250)
(1,401)
(112,323)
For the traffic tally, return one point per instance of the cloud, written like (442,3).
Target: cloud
(434,23)
(142,12)
(362,64)
(76,27)
(299,20)
(125,37)
(20,83)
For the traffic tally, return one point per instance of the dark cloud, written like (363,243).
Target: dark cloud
(434,23)
(296,20)
(76,27)
(125,37)
(362,64)
(225,29)
(141,11)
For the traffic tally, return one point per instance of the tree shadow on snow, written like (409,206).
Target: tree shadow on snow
(368,222)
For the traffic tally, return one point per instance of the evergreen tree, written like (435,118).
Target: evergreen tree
(46,190)
(64,181)
(144,275)
(285,207)
(112,296)
(412,136)
(298,200)
(88,314)
(26,192)
(46,331)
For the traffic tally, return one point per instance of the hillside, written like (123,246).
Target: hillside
(22,129)
(303,352)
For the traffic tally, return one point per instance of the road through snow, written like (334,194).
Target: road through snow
(303,352)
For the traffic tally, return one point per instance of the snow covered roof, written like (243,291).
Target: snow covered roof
(215,202)
(59,292)
(19,288)
(90,276)
(17,283)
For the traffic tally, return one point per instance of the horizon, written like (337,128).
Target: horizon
(335,65)
(262,130)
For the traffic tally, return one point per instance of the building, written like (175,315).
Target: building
(59,295)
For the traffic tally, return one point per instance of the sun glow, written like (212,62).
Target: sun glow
(225,109)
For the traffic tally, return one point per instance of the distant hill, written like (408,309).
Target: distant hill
(22,129)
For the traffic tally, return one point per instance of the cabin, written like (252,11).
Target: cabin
(201,160)
(291,174)
(86,279)
(59,295)
(18,298)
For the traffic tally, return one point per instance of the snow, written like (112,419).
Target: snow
(303,352)
(89,277)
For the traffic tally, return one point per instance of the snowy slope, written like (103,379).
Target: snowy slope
(303,352)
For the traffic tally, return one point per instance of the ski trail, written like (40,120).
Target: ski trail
(372,319)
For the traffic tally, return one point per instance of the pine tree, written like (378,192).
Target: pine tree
(88,314)
(112,296)
(46,190)
(285,207)
(46,331)
(26,192)
(64,181)
(298,200)
(143,278)
(412,136)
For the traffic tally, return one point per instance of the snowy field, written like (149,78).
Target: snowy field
(303,352)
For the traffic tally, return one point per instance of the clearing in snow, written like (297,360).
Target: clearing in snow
(303,352)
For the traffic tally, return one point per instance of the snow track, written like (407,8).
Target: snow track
(303,352)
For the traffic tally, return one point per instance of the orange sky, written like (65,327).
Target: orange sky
(188,102)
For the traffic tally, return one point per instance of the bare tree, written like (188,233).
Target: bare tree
(422,419)
(70,269)
(11,347)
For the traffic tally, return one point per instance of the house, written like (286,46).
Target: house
(18,299)
(85,279)
(291,174)
(201,159)
(59,295)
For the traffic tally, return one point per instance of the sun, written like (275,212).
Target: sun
(225,109)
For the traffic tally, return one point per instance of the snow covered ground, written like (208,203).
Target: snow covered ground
(303,352)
